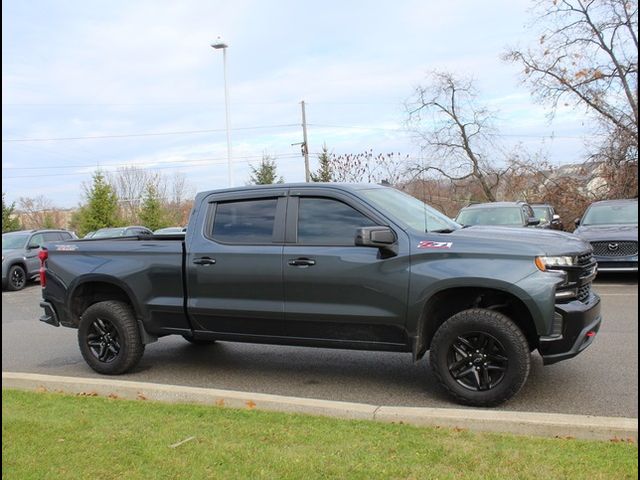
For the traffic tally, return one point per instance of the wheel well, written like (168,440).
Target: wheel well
(93,292)
(20,264)
(447,303)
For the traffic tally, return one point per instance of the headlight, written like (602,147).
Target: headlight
(544,263)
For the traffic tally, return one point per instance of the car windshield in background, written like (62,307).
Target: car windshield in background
(509,216)
(12,240)
(410,210)
(611,215)
(169,231)
(542,213)
(109,232)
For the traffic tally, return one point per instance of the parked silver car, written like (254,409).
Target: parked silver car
(20,261)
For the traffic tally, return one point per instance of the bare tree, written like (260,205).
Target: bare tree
(181,199)
(369,167)
(454,129)
(130,184)
(587,56)
(39,212)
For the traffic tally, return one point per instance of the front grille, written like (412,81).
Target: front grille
(583,292)
(615,249)
(585,259)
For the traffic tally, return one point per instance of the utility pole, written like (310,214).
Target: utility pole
(305,145)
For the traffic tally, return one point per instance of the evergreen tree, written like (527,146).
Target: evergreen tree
(101,208)
(266,172)
(153,214)
(9,222)
(325,170)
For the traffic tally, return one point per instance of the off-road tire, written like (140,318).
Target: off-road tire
(123,325)
(490,324)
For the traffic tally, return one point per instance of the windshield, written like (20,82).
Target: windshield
(410,210)
(169,230)
(13,240)
(510,216)
(611,214)
(542,213)
(109,232)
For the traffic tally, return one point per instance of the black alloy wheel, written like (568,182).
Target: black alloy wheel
(480,357)
(103,340)
(17,278)
(477,361)
(109,337)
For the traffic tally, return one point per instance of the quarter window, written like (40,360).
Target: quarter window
(245,222)
(323,221)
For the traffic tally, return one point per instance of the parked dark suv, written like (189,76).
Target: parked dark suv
(506,214)
(20,254)
(121,232)
(547,216)
(611,226)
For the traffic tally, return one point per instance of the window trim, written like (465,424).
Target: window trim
(293,211)
(277,235)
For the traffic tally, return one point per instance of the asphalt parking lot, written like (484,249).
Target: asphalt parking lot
(603,380)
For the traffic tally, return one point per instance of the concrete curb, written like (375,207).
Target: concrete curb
(522,423)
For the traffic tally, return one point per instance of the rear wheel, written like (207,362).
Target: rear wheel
(109,338)
(17,278)
(480,357)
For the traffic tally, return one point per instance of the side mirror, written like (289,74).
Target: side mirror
(382,238)
(577,222)
(532,221)
(555,218)
(32,247)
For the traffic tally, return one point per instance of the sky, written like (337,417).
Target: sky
(140,80)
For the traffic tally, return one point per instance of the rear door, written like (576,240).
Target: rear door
(234,264)
(334,290)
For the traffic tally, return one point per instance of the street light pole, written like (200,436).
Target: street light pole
(220,45)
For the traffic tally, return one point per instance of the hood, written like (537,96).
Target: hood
(516,241)
(593,233)
(12,252)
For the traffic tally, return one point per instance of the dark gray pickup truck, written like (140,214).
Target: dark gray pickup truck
(331,265)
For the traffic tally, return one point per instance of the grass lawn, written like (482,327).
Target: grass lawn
(49,435)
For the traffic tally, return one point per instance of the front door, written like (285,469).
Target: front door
(234,267)
(335,290)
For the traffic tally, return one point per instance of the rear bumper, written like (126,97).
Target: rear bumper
(580,323)
(50,316)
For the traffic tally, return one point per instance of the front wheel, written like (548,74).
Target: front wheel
(109,338)
(480,357)
(17,278)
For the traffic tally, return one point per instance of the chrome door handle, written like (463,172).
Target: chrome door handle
(204,261)
(302,262)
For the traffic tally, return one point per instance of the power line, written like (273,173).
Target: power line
(141,165)
(211,161)
(127,135)
(396,129)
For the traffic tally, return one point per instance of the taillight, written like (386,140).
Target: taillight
(43,255)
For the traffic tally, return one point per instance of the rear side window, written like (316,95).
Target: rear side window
(65,236)
(245,222)
(52,237)
(323,221)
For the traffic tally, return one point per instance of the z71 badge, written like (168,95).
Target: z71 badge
(430,244)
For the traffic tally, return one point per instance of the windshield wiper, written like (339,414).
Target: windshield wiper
(443,230)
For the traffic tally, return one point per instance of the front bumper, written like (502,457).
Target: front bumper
(617,264)
(575,327)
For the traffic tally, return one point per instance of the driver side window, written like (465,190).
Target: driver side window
(324,221)
(36,240)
